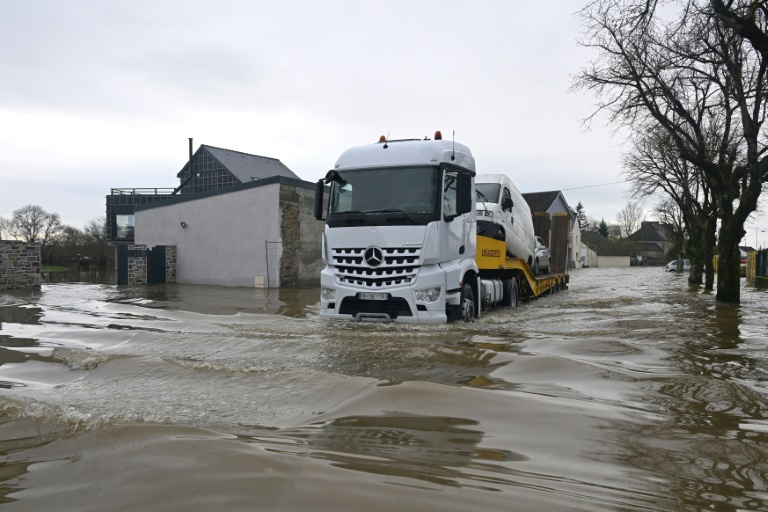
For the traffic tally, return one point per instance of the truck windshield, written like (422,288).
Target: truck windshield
(401,195)
(488,192)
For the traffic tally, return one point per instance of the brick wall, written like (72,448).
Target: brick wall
(19,265)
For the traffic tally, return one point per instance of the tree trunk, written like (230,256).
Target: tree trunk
(728,261)
(710,239)
(694,248)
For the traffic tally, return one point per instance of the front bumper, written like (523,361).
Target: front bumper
(396,304)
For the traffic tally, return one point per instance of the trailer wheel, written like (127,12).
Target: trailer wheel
(467,303)
(511,294)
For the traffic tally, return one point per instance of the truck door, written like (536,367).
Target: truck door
(456,230)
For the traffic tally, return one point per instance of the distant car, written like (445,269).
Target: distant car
(543,257)
(672,266)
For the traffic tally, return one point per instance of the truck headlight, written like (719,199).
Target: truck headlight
(428,294)
(327,293)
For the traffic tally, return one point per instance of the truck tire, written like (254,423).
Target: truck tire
(467,303)
(511,294)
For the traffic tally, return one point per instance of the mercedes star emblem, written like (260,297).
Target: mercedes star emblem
(374,256)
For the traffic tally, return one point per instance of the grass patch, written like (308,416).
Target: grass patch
(54,268)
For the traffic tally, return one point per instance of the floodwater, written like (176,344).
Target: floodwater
(630,391)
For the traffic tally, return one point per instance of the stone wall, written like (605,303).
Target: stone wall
(170,263)
(301,234)
(19,265)
(290,233)
(137,267)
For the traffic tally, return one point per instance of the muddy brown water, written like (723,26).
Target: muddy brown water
(629,391)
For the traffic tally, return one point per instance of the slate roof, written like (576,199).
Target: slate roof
(539,202)
(650,232)
(601,245)
(245,167)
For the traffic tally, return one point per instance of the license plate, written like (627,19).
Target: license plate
(372,296)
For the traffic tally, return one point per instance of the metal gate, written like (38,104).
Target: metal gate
(156,265)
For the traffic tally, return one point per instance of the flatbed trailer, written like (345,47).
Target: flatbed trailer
(493,263)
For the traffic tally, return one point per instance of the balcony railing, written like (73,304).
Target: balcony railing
(142,191)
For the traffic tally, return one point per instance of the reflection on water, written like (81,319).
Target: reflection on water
(431,449)
(629,391)
(74,276)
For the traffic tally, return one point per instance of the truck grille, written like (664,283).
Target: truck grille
(398,267)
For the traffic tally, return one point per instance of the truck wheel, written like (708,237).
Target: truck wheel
(467,303)
(511,294)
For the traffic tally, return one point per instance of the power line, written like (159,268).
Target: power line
(593,186)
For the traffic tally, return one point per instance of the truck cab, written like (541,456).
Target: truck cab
(399,239)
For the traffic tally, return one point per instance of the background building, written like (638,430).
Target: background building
(235,219)
(553,203)
(599,251)
(652,242)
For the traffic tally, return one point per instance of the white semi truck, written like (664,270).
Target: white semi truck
(401,240)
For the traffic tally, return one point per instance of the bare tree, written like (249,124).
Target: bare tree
(3,227)
(747,19)
(31,223)
(96,242)
(668,213)
(691,74)
(654,167)
(67,244)
(630,217)
(614,232)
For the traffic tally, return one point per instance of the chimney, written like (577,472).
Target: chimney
(190,157)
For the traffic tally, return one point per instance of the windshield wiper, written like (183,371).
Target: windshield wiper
(350,212)
(352,216)
(484,199)
(395,210)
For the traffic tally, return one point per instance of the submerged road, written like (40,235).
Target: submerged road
(629,391)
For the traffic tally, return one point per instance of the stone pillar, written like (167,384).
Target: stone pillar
(290,233)
(170,263)
(19,265)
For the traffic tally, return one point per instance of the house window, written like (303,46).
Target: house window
(125,224)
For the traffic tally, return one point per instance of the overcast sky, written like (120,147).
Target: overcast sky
(104,94)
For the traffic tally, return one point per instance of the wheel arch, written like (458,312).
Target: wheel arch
(471,276)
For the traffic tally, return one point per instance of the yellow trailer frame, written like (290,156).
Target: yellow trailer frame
(492,260)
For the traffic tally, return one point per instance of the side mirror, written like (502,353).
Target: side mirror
(507,203)
(464,202)
(319,195)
